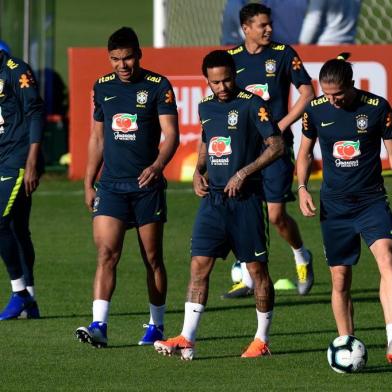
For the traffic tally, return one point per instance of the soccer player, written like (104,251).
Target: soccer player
(268,69)
(235,123)
(133,106)
(21,163)
(350,124)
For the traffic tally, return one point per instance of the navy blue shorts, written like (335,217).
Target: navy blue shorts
(11,191)
(130,204)
(238,224)
(278,179)
(345,221)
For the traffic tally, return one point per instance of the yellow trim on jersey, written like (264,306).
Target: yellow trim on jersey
(14,192)
(319,101)
(107,78)
(236,50)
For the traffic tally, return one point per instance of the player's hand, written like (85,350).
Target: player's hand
(89,197)
(31,179)
(306,203)
(235,183)
(149,175)
(200,184)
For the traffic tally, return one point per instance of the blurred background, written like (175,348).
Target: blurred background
(41,31)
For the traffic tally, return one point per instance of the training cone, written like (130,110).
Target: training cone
(284,284)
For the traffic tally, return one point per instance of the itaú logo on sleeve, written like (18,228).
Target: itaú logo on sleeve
(122,124)
(345,151)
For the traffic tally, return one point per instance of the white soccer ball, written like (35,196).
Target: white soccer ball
(236,272)
(347,354)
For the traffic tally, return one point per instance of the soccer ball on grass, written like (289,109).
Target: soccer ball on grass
(236,272)
(347,354)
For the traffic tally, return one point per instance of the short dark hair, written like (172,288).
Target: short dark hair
(218,58)
(337,71)
(124,38)
(250,10)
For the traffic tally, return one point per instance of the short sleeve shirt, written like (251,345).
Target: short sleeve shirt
(130,114)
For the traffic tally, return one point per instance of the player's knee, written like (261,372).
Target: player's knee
(153,261)
(278,218)
(108,257)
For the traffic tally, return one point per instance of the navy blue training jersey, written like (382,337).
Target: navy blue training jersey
(350,142)
(130,113)
(269,74)
(21,112)
(234,132)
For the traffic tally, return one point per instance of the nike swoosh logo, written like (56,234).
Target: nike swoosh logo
(109,98)
(158,212)
(261,253)
(323,124)
(5,178)
(205,121)
(240,70)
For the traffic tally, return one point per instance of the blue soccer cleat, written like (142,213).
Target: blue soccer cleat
(32,312)
(152,334)
(16,306)
(95,334)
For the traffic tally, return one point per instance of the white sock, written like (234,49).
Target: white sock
(18,284)
(101,310)
(389,332)
(301,255)
(246,278)
(193,312)
(157,313)
(263,325)
(31,291)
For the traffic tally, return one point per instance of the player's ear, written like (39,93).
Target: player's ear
(139,53)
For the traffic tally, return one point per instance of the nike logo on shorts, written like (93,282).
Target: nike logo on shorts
(261,253)
(323,124)
(5,178)
(109,98)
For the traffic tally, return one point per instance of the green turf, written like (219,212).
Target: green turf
(44,355)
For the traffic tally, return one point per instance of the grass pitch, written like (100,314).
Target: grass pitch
(44,355)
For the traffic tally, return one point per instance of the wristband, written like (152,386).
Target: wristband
(239,176)
(302,186)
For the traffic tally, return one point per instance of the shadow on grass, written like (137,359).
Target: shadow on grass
(377,369)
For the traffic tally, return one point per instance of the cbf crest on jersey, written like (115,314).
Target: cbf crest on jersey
(362,123)
(270,67)
(232,119)
(141,98)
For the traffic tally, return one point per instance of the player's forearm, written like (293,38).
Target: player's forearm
(275,150)
(304,167)
(94,161)
(32,156)
(307,94)
(167,150)
(201,165)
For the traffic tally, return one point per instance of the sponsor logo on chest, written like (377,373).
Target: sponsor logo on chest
(124,125)
(219,147)
(259,89)
(344,151)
